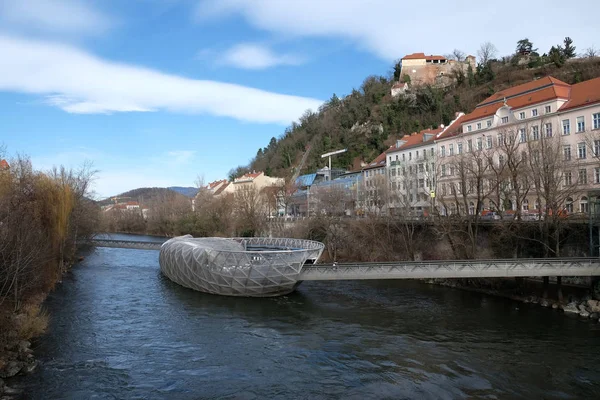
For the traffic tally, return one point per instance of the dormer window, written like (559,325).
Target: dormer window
(479,125)
(534,112)
(489,123)
(505,120)
(548,109)
(469,128)
(522,115)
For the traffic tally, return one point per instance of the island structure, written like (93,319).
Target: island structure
(248,267)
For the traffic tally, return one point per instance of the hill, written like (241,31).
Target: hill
(186,191)
(369,119)
(144,196)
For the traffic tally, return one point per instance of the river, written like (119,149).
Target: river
(120,330)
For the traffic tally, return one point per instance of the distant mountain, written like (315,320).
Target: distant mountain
(145,195)
(186,191)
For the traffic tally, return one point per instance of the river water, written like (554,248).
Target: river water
(120,330)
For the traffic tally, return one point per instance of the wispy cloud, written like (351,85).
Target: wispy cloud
(61,16)
(257,56)
(79,82)
(387,28)
(180,156)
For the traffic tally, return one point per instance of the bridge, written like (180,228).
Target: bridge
(421,269)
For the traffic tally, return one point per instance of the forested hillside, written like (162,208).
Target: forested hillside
(369,119)
(144,195)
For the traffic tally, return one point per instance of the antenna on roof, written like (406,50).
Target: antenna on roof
(505,101)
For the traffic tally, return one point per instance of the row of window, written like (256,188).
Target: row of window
(566,123)
(424,153)
(582,177)
(581,150)
(534,112)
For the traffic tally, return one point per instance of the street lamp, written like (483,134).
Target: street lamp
(332,154)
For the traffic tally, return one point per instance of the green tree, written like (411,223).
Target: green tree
(525,46)
(556,55)
(397,70)
(568,49)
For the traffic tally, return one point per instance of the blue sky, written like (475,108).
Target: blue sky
(157,92)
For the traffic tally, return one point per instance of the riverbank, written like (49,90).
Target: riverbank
(18,330)
(577,300)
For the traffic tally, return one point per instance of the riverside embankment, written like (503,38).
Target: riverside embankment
(119,329)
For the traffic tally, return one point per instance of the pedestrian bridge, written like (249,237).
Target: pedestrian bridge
(422,269)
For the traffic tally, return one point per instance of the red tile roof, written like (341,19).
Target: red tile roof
(214,184)
(420,56)
(222,188)
(4,164)
(583,94)
(377,163)
(251,175)
(527,94)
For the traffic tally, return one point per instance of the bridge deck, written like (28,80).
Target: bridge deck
(454,269)
(422,269)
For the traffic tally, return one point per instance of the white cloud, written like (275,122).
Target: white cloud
(62,16)
(180,156)
(390,29)
(79,82)
(256,56)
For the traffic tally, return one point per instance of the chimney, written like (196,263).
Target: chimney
(442,126)
(398,144)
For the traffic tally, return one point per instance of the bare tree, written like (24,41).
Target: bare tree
(487,51)
(590,52)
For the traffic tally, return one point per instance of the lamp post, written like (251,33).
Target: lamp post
(332,153)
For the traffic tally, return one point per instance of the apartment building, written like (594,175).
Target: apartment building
(527,148)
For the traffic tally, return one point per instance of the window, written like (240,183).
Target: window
(569,205)
(431,152)
(443,151)
(534,112)
(396,157)
(444,190)
(500,160)
(417,154)
(409,156)
(489,123)
(535,132)
(597,148)
(522,135)
(505,120)
(525,205)
(500,139)
(390,160)
(522,115)
(536,156)
(490,141)
(580,124)
(566,127)
(596,118)
(451,149)
(460,147)
(403,157)
(548,109)
(596,175)
(583,204)
(568,178)
(582,177)
(479,125)
(567,152)
(469,145)
(443,170)
(469,128)
(421,183)
(479,143)
(548,130)
(581,151)
(421,168)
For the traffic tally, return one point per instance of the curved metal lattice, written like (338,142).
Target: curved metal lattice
(254,267)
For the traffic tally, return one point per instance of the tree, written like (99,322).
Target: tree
(556,55)
(524,47)
(569,49)
(397,70)
(487,52)
(591,52)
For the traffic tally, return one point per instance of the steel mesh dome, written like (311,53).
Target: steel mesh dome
(253,267)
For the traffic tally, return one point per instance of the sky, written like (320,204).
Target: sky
(160,92)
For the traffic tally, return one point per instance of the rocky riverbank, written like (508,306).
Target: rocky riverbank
(16,359)
(575,303)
